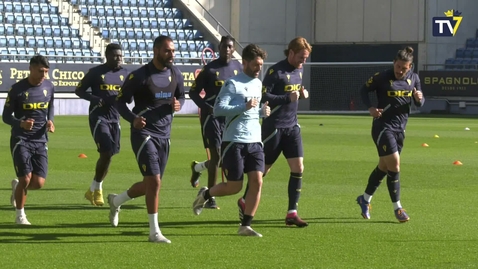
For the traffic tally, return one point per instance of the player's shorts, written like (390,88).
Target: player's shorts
(151,153)
(240,158)
(106,135)
(387,141)
(29,157)
(283,140)
(212,129)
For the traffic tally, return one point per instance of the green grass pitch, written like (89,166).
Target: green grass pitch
(441,199)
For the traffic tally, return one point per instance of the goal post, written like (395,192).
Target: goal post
(334,87)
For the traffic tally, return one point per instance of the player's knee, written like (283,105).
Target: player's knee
(36,182)
(106,156)
(234,187)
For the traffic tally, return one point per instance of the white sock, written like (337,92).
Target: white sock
(121,199)
(96,185)
(153,224)
(200,166)
(397,205)
(291,212)
(367,197)
(21,212)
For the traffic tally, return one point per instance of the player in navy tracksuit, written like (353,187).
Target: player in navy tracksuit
(211,79)
(282,88)
(29,110)
(105,83)
(396,90)
(157,90)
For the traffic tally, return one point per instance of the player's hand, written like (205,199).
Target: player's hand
(139,123)
(418,95)
(294,96)
(252,103)
(175,104)
(304,94)
(375,112)
(266,110)
(50,127)
(27,124)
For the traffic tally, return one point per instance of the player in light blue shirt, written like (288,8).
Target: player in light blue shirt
(242,152)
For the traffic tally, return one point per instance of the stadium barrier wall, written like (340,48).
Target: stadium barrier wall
(450,91)
(334,88)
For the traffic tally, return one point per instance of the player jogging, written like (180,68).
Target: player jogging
(242,151)
(396,89)
(105,82)
(29,110)
(282,88)
(211,79)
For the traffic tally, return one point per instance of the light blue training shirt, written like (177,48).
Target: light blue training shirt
(242,126)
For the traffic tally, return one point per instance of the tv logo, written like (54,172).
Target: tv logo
(447,26)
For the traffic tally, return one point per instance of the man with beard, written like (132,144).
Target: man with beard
(105,83)
(29,111)
(156,89)
(282,88)
(242,152)
(211,79)
(396,88)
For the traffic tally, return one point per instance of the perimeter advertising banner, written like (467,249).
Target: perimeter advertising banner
(65,77)
(449,83)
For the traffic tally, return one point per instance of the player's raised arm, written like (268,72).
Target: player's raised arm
(223,105)
(268,83)
(9,109)
(369,86)
(197,87)
(125,96)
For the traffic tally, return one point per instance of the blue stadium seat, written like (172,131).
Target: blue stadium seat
(21,30)
(3,42)
(9,29)
(28,19)
(134,13)
(26,8)
(141,3)
(2,8)
(148,35)
(149,45)
(74,2)
(458,63)
(137,23)
(460,53)
(141,45)
(84,11)
(4,53)
(475,53)
(49,42)
(130,33)
(11,41)
(8,7)
(37,20)
(474,64)
(76,43)
(67,44)
(468,53)
(469,42)
(2,29)
(30,31)
(40,42)
(9,18)
(126,12)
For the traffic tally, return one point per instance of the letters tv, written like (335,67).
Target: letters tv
(443,26)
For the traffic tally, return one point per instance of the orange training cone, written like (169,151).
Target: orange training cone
(457,163)
(425,145)
(82,156)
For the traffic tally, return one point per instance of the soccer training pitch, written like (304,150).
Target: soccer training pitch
(440,198)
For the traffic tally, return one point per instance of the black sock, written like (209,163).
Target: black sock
(207,195)
(295,185)
(374,180)
(393,183)
(245,192)
(246,220)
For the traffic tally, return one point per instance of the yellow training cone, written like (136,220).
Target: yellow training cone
(425,145)
(436,136)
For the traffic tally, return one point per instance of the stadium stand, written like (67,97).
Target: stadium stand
(465,58)
(37,26)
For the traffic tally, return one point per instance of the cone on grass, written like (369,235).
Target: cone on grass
(457,163)
(425,145)
(82,156)
(436,136)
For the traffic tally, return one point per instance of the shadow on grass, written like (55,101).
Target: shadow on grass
(34,207)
